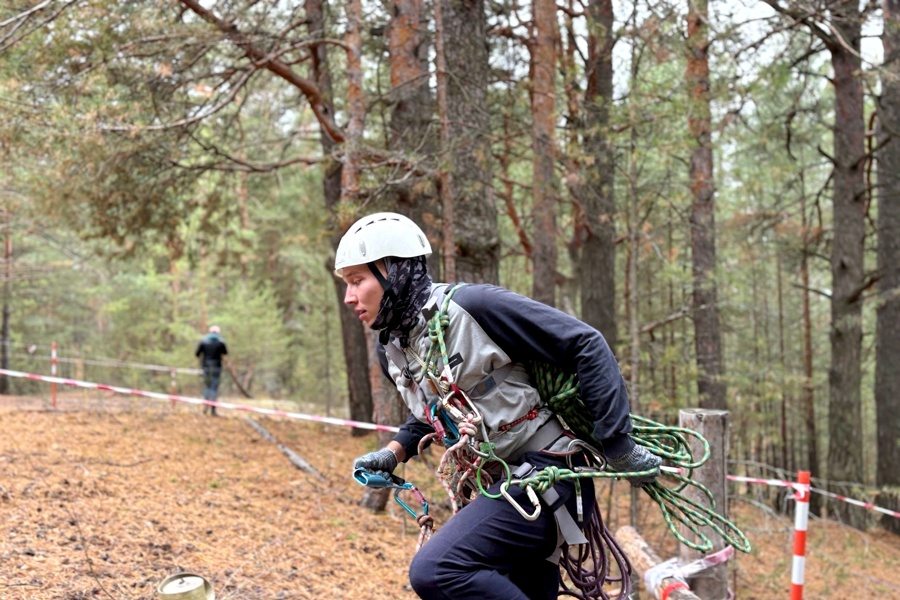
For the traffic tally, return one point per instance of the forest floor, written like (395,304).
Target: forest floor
(106,498)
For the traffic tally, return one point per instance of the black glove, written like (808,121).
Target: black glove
(382,461)
(638,459)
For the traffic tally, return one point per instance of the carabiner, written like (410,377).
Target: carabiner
(378,480)
(487,451)
(463,403)
(417,494)
(590,452)
(443,425)
(532,495)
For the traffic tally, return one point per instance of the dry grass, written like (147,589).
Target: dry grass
(105,502)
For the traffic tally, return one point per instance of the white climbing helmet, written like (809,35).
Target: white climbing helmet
(377,236)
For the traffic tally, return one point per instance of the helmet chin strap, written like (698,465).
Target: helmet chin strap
(381,279)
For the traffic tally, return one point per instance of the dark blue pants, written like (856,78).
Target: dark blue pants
(488,551)
(211,376)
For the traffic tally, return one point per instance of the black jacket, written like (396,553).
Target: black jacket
(211,349)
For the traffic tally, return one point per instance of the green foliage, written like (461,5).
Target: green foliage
(158,180)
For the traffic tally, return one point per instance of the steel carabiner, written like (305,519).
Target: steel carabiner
(532,495)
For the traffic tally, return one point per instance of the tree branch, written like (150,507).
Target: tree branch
(275,66)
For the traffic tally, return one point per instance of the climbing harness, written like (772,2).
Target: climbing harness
(378,480)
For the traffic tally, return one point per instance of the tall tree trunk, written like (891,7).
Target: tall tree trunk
(356,107)
(410,127)
(632,300)
(473,247)
(597,265)
(7,298)
(707,337)
(887,332)
(809,397)
(543,121)
(355,354)
(785,430)
(845,461)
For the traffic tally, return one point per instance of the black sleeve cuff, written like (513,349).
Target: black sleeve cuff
(410,434)
(618,445)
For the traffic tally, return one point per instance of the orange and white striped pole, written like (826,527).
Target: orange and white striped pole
(173,385)
(801,519)
(53,372)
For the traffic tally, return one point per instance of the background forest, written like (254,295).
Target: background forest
(712,184)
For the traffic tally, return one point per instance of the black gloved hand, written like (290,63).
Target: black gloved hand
(638,459)
(382,462)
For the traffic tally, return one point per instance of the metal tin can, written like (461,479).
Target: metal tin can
(185,586)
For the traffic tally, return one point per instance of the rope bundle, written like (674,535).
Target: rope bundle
(561,392)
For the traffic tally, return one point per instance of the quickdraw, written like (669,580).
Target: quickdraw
(379,481)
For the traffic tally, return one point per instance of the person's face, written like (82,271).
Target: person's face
(364,291)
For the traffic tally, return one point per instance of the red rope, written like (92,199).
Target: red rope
(531,415)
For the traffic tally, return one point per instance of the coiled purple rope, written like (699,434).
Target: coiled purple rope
(587,566)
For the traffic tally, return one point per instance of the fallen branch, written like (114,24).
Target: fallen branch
(295,458)
(234,377)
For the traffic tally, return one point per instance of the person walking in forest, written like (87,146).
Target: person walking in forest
(211,351)
(473,382)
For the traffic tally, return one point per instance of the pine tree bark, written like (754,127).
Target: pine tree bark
(543,121)
(707,336)
(597,264)
(887,332)
(410,128)
(809,395)
(471,221)
(845,462)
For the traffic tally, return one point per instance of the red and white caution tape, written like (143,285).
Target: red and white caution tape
(102,361)
(886,511)
(199,401)
(797,487)
(800,489)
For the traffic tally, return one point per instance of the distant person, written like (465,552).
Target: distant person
(211,350)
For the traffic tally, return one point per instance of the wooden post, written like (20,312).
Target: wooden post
(173,385)
(643,557)
(53,372)
(712,583)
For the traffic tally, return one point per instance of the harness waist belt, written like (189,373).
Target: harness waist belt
(545,435)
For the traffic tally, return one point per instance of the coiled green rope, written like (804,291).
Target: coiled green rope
(561,391)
